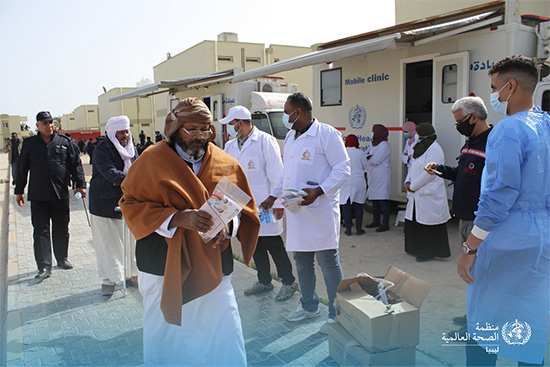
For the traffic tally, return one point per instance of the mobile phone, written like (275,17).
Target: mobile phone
(436,172)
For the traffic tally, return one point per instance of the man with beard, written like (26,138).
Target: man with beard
(113,158)
(190,312)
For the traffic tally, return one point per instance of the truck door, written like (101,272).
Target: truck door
(216,109)
(450,78)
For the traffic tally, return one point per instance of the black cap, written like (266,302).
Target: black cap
(44,116)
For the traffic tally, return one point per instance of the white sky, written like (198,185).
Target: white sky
(57,54)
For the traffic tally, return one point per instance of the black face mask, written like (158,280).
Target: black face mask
(465,128)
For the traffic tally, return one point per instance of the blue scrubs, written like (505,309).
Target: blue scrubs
(509,301)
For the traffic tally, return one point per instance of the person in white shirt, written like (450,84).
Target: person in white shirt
(427,208)
(315,161)
(260,157)
(379,178)
(409,131)
(354,191)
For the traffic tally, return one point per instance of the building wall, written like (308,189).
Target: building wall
(86,117)
(409,10)
(303,76)
(68,122)
(138,110)
(11,123)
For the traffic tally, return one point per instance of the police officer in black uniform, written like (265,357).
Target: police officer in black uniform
(52,161)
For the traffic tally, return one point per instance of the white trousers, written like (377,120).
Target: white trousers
(210,333)
(107,238)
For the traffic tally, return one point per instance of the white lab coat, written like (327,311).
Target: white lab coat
(319,157)
(379,172)
(408,152)
(260,158)
(355,188)
(430,196)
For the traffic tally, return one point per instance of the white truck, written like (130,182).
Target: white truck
(425,71)
(265,100)
(416,71)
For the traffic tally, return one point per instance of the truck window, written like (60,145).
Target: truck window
(545,105)
(331,87)
(449,88)
(261,121)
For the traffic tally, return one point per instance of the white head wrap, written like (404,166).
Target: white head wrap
(120,123)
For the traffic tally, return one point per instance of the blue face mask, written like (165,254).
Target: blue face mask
(416,138)
(286,120)
(372,136)
(407,135)
(500,106)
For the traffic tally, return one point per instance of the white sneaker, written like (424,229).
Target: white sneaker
(300,314)
(324,328)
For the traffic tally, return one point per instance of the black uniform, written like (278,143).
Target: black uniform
(52,166)
(467,176)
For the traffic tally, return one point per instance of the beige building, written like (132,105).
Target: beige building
(12,123)
(86,117)
(409,10)
(224,54)
(139,110)
(68,122)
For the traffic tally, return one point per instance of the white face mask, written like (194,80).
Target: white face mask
(499,106)
(286,120)
(231,131)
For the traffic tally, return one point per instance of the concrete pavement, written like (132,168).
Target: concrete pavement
(64,320)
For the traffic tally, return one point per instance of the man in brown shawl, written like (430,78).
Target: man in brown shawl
(190,313)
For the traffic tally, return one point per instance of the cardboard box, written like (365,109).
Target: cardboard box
(346,351)
(377,326)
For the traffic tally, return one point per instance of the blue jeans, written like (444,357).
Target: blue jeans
(381,206)
(307,278)
(355,208)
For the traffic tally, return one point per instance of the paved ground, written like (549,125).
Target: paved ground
(65,320)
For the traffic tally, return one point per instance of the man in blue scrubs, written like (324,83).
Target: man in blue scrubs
(506,259)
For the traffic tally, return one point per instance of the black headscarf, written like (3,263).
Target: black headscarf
(427,135)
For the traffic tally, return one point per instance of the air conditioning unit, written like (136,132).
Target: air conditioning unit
(269,87)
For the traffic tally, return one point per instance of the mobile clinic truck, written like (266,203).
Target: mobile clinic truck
(265,99)
(416,71)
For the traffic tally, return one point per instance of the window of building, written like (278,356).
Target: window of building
(449,90)
(91,111)
(276,60)
(253,59)
(331,87)
(5,125)
(225,58)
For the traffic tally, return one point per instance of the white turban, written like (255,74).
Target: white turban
(121,123)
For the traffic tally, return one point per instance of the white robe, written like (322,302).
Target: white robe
(210,333)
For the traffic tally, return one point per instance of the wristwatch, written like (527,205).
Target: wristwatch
(468,251)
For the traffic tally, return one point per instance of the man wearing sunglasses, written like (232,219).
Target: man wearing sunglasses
(190,312)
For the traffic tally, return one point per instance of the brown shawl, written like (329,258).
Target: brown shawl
(159,184)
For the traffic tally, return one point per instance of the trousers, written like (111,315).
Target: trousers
(275,246)
(42,212)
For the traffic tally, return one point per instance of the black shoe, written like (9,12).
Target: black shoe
(360,232)
(383,228)
(43,274)
(421,259)
(65,264)
(347,232)
(460,320)
(372,225)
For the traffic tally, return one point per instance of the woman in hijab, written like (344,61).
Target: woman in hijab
(409,131)
(379,178)
(112,159)
(353,191)
(427,208)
